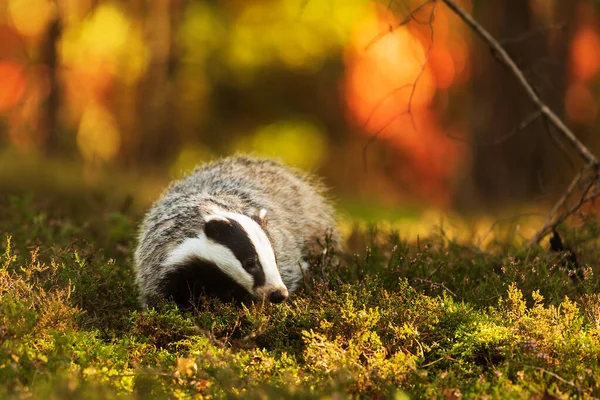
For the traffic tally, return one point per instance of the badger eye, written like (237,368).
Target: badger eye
(251,264)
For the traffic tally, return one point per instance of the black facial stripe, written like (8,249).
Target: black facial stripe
(194,277)
(259,276)
(231,235)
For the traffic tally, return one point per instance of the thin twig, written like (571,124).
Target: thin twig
(376,134)
(414,88)
(561,201)
(553,220)
(535,74)
(499,221)
(524,124)
(559,145)
(533,32)
(438,284)
(399,24)
(383,100)
(567,193)
(503,57)
(549,118)
(572,210)
(554,375)
(429,364)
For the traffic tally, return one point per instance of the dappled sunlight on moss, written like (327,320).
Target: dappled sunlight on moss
(477,230)
(431,319)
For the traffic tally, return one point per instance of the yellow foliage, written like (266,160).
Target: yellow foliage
(299,143)
(98,137)
(106,31)
(297,33)
(189,157)
(106,42)
(186,367)
(30,17)
(200,32)
(480,231)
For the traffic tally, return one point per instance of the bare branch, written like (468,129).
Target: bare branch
(375,135)
(503,57)
(383,100)
(554,220)
(414,88)
(550,118)
(559,145)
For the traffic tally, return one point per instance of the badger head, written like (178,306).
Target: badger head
(231,257)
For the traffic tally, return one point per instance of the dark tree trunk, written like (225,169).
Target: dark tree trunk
(523,166)
(158,136)
(48,124)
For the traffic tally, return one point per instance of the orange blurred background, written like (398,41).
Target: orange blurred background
(393,108)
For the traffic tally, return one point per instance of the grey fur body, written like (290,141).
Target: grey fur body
(298,214)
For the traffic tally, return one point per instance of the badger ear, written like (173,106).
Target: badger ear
(261,217)
(214,217)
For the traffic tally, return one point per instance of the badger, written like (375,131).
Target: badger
(240,227)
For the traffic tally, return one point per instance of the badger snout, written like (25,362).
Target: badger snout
(277,296)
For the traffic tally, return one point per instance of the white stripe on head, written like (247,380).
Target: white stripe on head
(264,250)
(215,253)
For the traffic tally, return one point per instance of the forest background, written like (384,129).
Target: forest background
(407,116)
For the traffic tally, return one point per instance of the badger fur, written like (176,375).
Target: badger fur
(233,227)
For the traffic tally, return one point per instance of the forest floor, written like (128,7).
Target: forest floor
(426,318)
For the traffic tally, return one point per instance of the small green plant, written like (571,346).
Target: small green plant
(398,320)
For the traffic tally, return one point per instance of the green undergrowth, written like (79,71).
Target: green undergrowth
(397,320)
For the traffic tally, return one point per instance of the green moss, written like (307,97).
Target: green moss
(399,320)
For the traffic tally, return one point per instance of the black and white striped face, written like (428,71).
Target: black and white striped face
(238,246)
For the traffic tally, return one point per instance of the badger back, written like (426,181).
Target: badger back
(297,213)
(296,201)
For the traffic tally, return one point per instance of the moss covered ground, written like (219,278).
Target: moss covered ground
(399,319)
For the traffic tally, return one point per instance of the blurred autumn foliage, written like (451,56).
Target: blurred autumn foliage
(394,100)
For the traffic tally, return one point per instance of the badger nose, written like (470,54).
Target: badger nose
(277,296)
